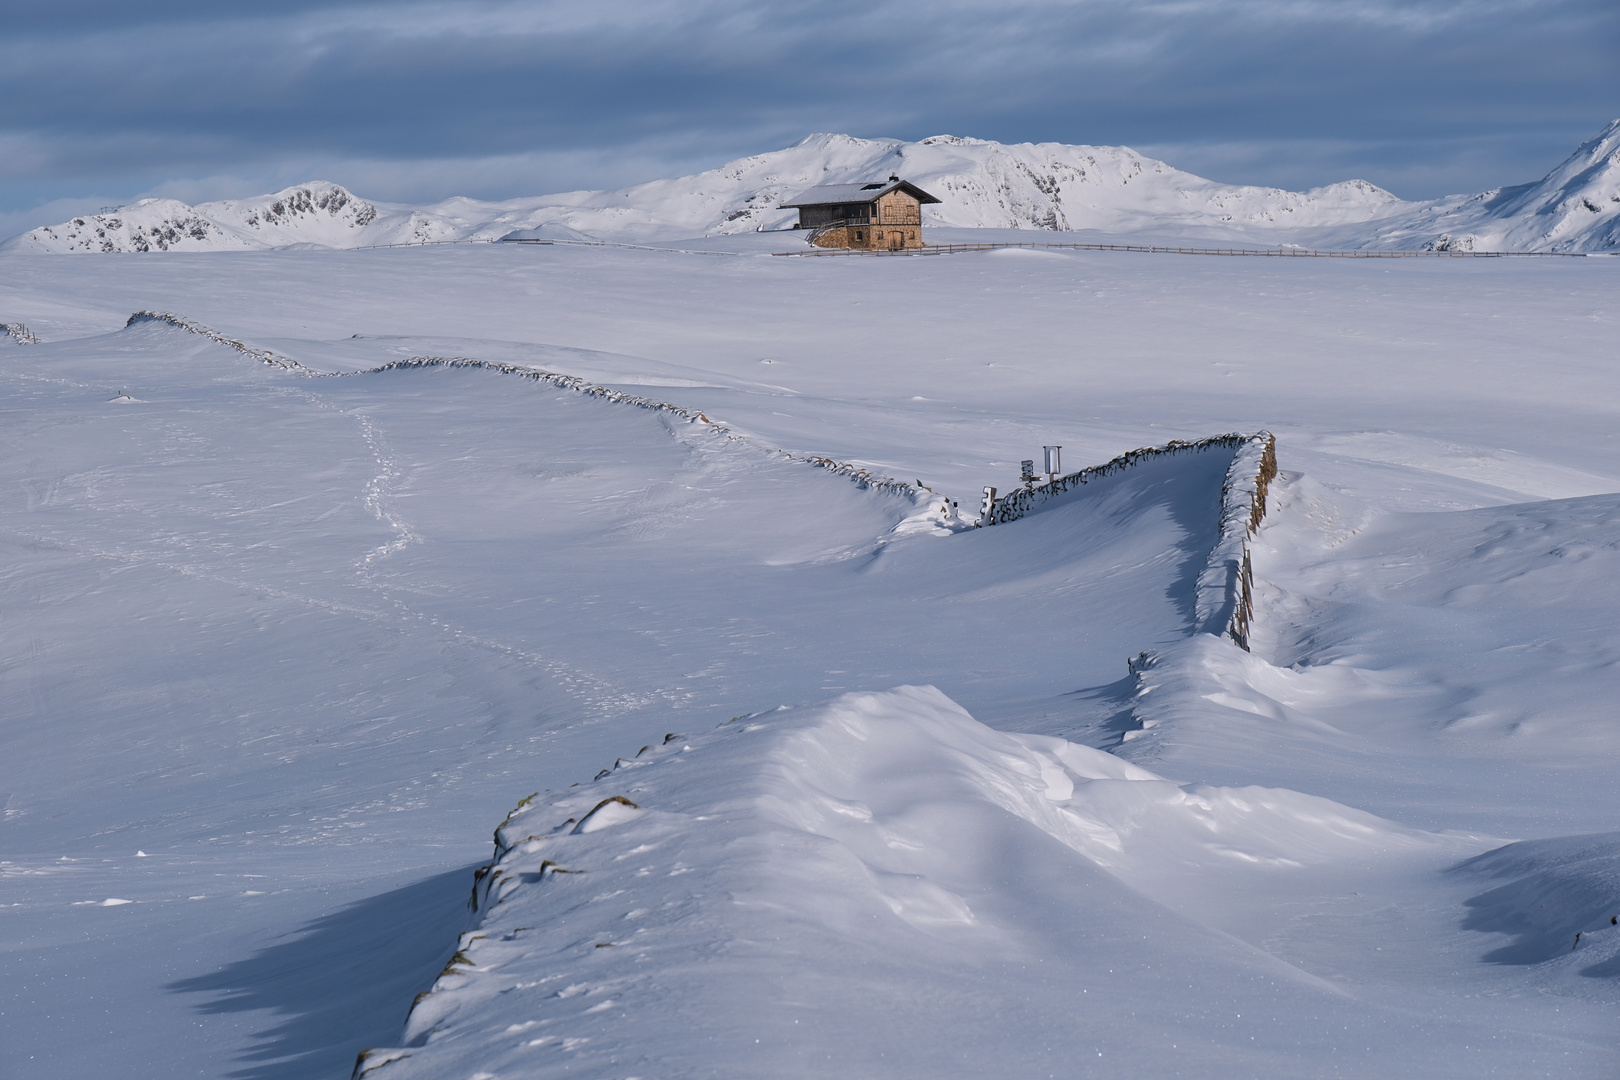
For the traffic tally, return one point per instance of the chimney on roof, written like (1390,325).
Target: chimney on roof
(892,176)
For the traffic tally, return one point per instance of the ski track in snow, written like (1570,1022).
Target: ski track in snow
(602,698)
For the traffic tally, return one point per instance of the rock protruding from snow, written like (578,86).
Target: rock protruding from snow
(318,213)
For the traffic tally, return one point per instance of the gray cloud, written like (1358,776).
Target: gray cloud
(415,101)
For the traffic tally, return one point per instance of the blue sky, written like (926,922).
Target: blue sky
(101,101)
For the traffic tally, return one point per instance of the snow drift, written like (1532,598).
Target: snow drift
(982,184)
(1560,900)
(960,888)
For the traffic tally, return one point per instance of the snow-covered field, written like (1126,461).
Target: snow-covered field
(278,650)
(980,185)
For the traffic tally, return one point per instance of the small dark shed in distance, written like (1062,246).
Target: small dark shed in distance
(885,215)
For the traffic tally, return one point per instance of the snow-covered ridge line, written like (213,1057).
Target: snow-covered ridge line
(264,356)
(864,478)
(1049,187)
(20,333)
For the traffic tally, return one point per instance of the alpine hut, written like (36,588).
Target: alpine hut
(885,215)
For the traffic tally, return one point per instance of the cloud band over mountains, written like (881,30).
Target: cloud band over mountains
(414,101)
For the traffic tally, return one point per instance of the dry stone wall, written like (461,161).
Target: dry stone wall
(863,477)
(1225,592)
(264,356)
(1225,589)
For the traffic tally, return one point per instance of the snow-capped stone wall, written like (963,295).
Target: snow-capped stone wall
(19,333)
(860,475)
(264,356)
(1225,603)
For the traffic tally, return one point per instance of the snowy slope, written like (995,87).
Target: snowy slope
(339,607)
(1045,186)
(279,651)
(971,887)
(1514,601)
(1576,207)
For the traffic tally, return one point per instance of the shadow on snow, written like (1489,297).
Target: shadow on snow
(344,981)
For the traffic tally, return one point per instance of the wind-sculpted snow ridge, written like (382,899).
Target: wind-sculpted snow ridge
(264,356)
(863,477)
(1226,586)
(19,333)
(880,878)
(1560,901)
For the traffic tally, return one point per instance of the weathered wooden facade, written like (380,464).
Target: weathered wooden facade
(885,215)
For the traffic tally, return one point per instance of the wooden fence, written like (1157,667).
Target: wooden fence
(1160,249)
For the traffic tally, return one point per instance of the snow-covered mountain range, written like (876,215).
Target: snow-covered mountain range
(982,184)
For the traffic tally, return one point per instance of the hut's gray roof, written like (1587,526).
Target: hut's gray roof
(835,194)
